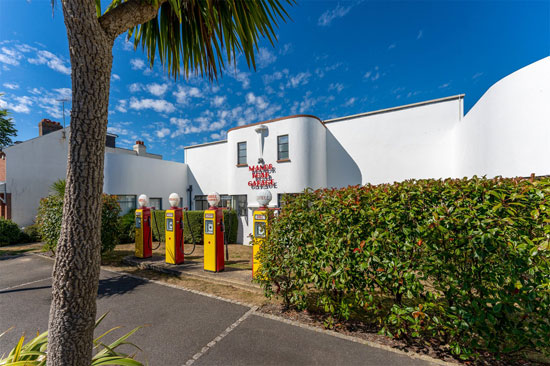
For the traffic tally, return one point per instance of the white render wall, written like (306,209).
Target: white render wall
(31,168)
(391,146)
(207,168)
(134,175)
(507,132)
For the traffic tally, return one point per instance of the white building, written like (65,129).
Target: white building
(506,133)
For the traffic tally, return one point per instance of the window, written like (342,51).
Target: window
(240,204)
(155,203)
(201,203)
(282,147)
(241,153)
(127,203)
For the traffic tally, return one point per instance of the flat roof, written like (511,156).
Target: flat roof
(385,110)
(393,109)
(205,144)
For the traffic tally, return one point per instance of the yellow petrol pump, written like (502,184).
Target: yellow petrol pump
(260,226)
(144,234)
(213,235)
(173,223)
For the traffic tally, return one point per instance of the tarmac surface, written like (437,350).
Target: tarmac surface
(181,327)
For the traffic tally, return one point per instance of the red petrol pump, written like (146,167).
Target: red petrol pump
(260,219)
(174,242)
(144,234)
(213,235)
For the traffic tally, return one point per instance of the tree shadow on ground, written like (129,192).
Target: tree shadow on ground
(118,285)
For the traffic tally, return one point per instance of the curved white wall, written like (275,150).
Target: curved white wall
(207,168)
(307,154)
(128,174)
(507,132)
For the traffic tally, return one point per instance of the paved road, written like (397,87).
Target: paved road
(183,327)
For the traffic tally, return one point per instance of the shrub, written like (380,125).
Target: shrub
(127,229)
(9,232)
(31,234)
(196,222)
(465,262)
(50,214)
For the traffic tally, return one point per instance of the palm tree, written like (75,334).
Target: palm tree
(186,36)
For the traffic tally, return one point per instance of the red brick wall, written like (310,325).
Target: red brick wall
(5,209)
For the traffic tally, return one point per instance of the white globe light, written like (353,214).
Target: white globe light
(213,199)
(174,199)
(143,200)
(263,197)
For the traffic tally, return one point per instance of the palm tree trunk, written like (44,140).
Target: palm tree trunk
(77,264)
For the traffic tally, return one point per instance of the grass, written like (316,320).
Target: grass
(17,249)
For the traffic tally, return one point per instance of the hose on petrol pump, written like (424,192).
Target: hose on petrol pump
(190,231)
(158,231)
(226,239)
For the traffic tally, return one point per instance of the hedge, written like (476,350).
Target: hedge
(9,232)
(464,263)
(196,221)
(50,214)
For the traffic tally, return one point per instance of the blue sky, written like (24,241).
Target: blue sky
(333,59)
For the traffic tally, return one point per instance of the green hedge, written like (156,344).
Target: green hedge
(50,214)
(461,262)
(9,232)
(196,221)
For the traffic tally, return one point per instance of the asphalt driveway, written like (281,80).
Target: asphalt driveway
(181,327)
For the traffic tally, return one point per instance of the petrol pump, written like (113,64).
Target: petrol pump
(213,235)
(260,227)
(144,234)
(174,231)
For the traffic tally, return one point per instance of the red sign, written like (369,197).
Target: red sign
(261,175)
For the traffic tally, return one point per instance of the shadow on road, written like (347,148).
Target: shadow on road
(118,285)
(25,289)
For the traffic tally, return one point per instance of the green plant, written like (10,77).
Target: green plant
(465,262)
(33,353)
(9,232)
(31,234)
(50,213)
(196,222)
(127,230)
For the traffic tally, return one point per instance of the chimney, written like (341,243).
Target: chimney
(46,126)
(139,148)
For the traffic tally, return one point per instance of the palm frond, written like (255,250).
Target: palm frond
(201,36)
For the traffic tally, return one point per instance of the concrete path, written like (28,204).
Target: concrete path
(183,327)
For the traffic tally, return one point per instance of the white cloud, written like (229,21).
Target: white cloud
(115,77)
(218,101)
(391,46)
(259,102)
(158,105)
(476,75)
(373,75)
(241,77)
(328,16)
(265,57)
(64,93)
(336,86)
(135,87)
(299,79)
(350,102)
(50,60)
(122,105)
(127,45)
(137,64)
(185,92)
(10,56)
(285,49)
(277,75)
(18,104)
(320,71)
(118,130)
(11,86)
(163,132)
(157,89)
(444,85)
(420,34)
